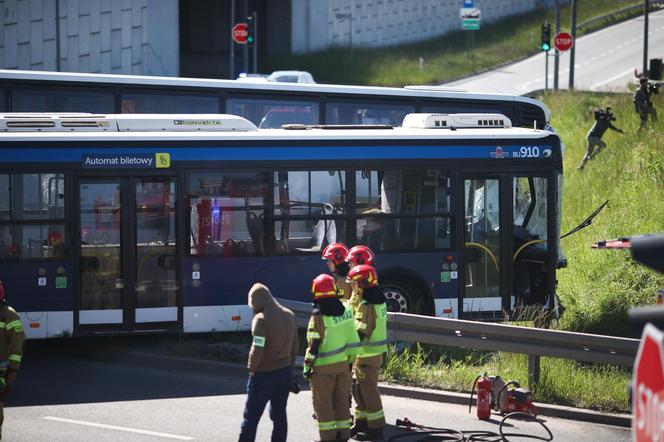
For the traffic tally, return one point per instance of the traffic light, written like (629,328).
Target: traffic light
(545,44)
(251,30)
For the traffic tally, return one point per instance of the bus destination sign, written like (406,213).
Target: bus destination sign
(127,161)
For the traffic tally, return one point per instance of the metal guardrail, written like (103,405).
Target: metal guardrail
(654,4)
(533,342)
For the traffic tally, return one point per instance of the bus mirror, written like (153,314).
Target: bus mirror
(89,263)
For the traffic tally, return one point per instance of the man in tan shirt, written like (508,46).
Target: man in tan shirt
(271,359)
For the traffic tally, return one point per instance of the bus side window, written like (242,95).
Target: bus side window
(270,114)
(32,205)
(226,212)
(403,209)
(50,99)
(309,210)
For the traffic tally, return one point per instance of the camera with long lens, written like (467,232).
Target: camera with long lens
(653,88)
(294,386)
(604,114)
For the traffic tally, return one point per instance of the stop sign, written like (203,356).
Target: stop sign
(239,33)
(648,387)
(563,41)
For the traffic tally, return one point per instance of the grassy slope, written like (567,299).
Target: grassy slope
(445,58)
(599,286)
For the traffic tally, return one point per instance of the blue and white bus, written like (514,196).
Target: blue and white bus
(125,223)
(266,104)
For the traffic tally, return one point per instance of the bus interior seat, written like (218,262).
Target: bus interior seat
(325,232)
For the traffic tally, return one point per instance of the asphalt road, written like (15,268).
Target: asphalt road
(604,61)
(96,392)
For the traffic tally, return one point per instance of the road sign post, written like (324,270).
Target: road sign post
(648,387)
(470,21)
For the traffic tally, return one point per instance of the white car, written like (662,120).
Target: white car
(291,77)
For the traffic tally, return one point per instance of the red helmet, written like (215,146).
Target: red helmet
(365,275)
(359,255)
(2,291)
(323,286)
(335,252)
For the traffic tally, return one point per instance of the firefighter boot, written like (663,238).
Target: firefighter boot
(373,434)
(359,426)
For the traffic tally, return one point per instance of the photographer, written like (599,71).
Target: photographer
(603,120)
(642,103)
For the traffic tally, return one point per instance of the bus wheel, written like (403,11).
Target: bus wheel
(403,297)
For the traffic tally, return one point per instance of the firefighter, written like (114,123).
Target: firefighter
(332,343)
(335,258)
(358,255)
(271,359)
(11,349)
(371,325)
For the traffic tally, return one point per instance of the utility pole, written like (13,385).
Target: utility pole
(556,60)
(254,16)
(646,12)
(571,53)
(231,75)
(245,47)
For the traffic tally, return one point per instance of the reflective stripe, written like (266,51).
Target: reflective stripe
(357,344)
(360,414)
(3,324)
(344,424)
(259,341)
(2,382)
(375,415)
(362,326)
(15,358)
(16,325)
(336,351)
(375,343)
(313,335)
(327,426)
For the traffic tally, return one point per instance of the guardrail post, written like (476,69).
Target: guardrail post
(533,370)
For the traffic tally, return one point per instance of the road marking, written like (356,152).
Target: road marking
(602,83)
(115,427)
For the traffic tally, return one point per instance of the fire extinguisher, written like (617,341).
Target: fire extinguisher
(484,388)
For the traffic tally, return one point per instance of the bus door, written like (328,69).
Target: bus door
(128,253)
(482,248)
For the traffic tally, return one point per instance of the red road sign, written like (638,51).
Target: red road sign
(648,387)
(239,33)
(563,41)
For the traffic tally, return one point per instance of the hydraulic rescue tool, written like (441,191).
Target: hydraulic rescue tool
(494,393)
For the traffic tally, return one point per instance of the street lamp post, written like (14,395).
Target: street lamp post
(646,9)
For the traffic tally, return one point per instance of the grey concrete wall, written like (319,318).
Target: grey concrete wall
(319,24)
(101,36)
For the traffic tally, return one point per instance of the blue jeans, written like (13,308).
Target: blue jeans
(264,387)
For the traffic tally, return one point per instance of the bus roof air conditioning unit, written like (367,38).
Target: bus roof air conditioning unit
(183,123)
(456,121)
(42,122)
(45,122)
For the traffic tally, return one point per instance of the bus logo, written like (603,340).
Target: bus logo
(163,160)
(499,153)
